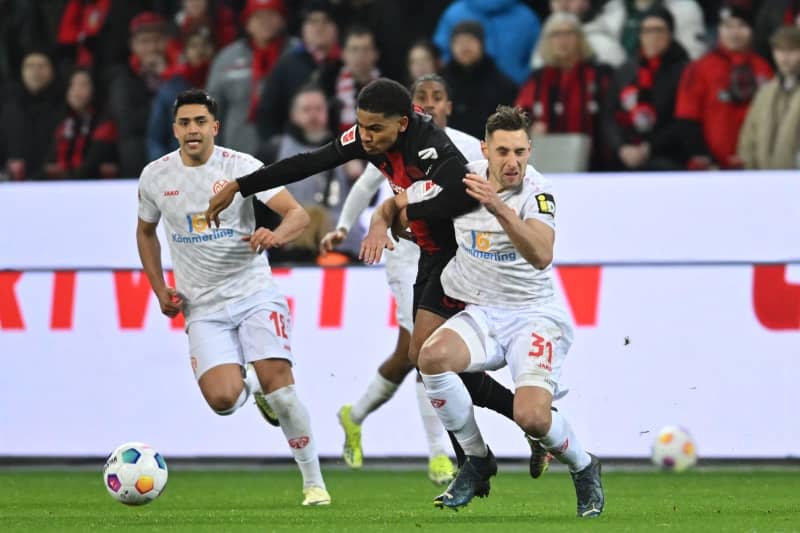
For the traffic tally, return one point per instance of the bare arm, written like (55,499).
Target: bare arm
(150,255)
(294,222)
(532,238)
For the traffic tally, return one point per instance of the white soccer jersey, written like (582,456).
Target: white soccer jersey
(487,269)
(212,265)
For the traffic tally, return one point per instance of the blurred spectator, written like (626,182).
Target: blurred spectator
(477,84)
(566,95)
(641,130)
(621,19)
(770,137)
(716,91)
(397,26)
(211,14)
(30,115)
(133,87)
(606,49)
(360,59)
(771,15)
(240,72)
(315,59)
(511,30)
(323,194)
(95,33)
(85,143)
(423,58)
(189,74)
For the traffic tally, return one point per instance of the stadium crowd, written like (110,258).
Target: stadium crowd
(87,85)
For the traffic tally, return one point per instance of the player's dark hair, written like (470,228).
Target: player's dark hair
(386,97)
(195,96)
(508,118)
(430,77)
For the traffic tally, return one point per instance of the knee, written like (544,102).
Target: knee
(434,357)
(275,374)
(224,401)
(535,420)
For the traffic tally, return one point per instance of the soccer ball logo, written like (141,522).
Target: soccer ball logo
(674,449)
(135,474)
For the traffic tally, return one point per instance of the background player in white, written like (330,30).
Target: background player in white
(430,93)
(235,313)
(502,270)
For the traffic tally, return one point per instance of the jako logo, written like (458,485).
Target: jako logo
(437,403)
(173,192)
(299,443)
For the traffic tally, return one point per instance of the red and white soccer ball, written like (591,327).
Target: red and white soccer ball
(135,474)
(674,449)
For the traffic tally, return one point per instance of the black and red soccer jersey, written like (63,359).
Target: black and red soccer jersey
(422,152)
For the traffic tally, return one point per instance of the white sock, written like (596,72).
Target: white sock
(239,402)
(564,445)
(452,403)
(296,427)
(379,390)
(251,379)
(434,430)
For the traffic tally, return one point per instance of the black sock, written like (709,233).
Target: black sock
(486,392)
(460,455)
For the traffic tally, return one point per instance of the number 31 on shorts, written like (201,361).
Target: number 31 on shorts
(539,348)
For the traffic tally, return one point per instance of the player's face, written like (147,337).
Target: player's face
(195,129)
(378,132)
(508,153)
(432,97)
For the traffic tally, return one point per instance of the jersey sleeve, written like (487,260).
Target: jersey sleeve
(250,164)
(359,196)
(540,204)
(452,200)
(337,152)
(148,210)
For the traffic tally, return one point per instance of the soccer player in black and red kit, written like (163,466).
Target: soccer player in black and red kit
(407,147)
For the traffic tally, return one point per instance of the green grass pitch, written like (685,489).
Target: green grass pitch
(269,500)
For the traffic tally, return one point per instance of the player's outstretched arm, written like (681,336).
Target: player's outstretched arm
(294,222)
(150,255)
(281,172)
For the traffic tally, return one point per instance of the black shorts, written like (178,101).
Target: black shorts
(428,291)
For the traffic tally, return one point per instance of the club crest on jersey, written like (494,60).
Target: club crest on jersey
(218,185)
(349,136)
(428,153)
(546,204)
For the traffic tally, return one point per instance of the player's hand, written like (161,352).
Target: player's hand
(220,201)
(331,240)
(399,227)
(263,239)
(372,246)
(483,191)
(170,301)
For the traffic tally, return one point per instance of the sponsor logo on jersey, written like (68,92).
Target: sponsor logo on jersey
(480,247)
(428,153)
(349,136)
(173,192)
(546,203)
(218,185)
(198,231)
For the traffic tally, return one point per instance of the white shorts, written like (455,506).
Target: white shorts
(250,329)
(401,272)
(532,342)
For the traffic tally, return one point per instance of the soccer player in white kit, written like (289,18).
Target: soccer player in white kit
(237,320)
(502,270)
(431,94)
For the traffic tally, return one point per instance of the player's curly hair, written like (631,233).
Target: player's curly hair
(508,118)
(386,97)
(430,77)
(195,96)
